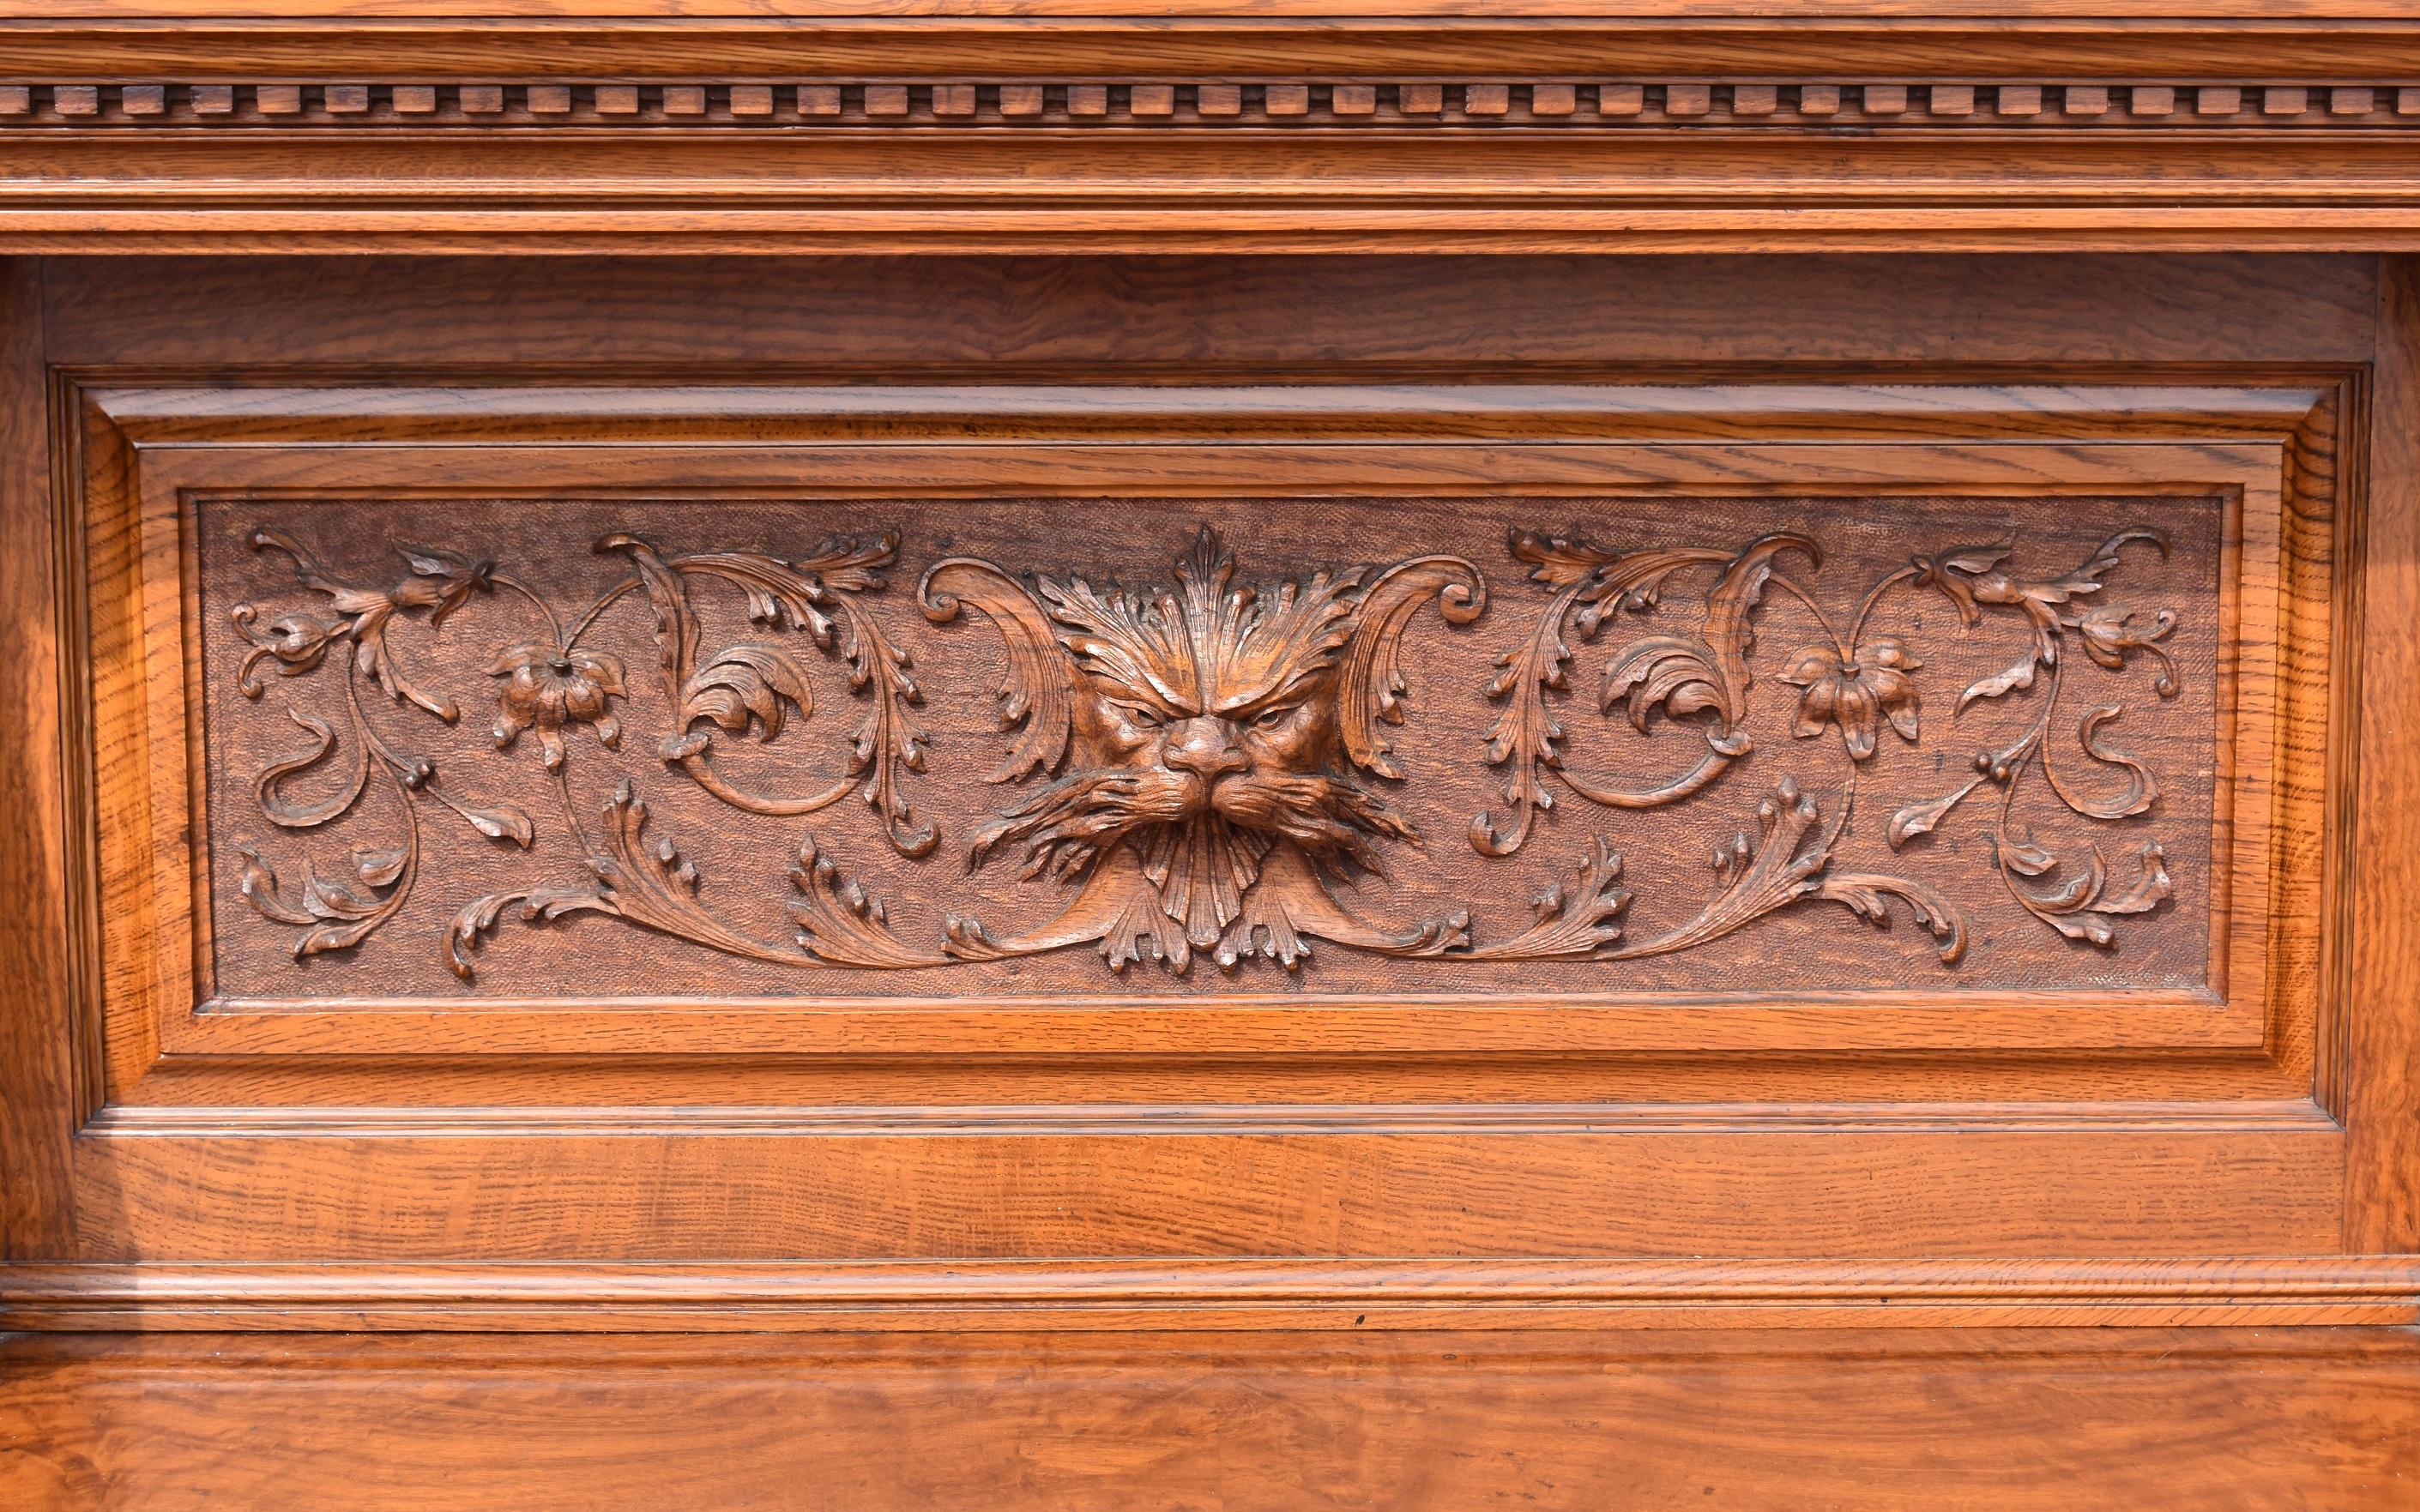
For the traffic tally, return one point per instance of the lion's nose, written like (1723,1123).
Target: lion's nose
(1206,747)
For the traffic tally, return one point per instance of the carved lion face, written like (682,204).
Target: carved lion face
(1202,724)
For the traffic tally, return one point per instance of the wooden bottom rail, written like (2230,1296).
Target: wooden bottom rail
(2324,1420)
(1315,1293)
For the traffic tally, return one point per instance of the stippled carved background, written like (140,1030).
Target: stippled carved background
(564,749)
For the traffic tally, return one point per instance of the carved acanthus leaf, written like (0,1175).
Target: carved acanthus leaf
(1204,764)
(1037,699)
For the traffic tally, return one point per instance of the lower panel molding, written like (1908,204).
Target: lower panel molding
(1899,1420)
(1317,1294)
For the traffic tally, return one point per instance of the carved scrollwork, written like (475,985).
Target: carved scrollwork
(1852,682)
(339,914)
(1204,766)
(2083,905)
(555,685)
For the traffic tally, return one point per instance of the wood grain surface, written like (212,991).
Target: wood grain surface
(624,1091)
(2034,1420)
(1151,319)
(510,1193)
(1393,1237)
(1405,1225)
(1180,1296)
(41,1029)
(1192,129)
(2382,1020)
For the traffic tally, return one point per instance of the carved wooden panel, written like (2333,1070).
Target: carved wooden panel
(766,721)
(1303,806)
(571,747)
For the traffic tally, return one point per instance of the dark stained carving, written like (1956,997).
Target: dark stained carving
(2080,904)
(557,685)
(1850,681)
(1206,754)
(1205,766)
(339,913)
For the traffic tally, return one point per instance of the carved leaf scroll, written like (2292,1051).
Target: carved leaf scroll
(1854,682)
(1197,767)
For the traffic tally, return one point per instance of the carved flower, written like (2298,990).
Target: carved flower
(549,688)
(2109,631)
(1856,695)
(440,581)
(297,641)
(1969,574)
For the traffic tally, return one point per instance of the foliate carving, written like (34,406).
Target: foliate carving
(1204,766)
(1202,756)
(1852,682)
(2077,901)
(554,686)
(338,914)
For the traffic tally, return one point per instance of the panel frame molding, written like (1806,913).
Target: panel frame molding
(210,1119)
(1335,1295)
(163,443)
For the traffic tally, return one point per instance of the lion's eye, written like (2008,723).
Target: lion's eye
(1271,718)
(1145,715)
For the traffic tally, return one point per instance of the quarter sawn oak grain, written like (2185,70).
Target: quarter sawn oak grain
(1798,1215)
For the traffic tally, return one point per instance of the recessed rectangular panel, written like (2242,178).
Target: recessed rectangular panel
(566,748)
(1282,674)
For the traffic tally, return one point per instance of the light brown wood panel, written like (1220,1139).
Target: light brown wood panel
(1399,1226)
(729,11)
(508,1194)
(422,467)
(1955,1085)
(2085,1420)
(2382,1018)
(547,1122)
(2046,1119)
(1192,1295)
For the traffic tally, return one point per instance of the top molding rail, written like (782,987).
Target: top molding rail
(1559,103)
(611,125)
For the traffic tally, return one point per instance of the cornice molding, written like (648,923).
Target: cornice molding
(678,130)
(1563,103)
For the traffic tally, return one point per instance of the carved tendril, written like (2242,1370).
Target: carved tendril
(2083,905)
(1782,867)
(340,913)
(648,882)
(744,690)
(1852,681)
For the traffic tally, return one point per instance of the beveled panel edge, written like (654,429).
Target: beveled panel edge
(1313,1294)
(164,1121)
(1918,403)
(2269,407)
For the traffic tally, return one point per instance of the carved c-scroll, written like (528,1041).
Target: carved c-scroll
(1200,766)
